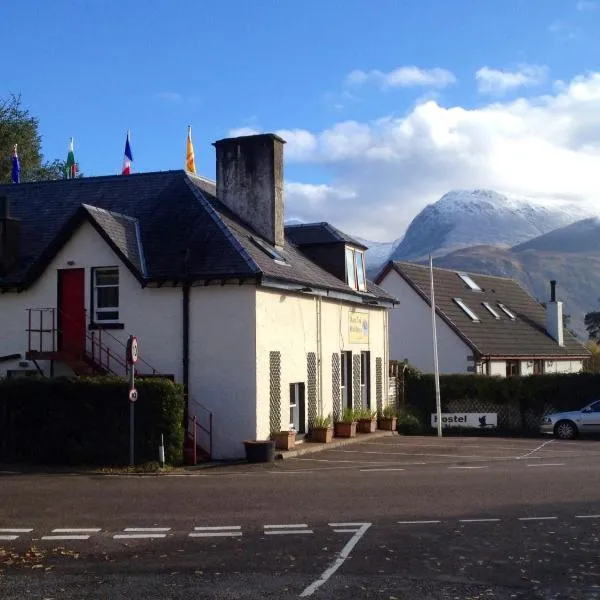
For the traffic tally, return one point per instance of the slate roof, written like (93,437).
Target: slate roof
(311,234)
(525,336)
(166,226)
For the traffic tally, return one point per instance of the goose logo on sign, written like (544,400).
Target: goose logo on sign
(472,420)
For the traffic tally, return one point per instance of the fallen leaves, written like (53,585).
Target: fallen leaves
(33,557)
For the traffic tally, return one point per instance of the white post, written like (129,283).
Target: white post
(161,451)
(438,402)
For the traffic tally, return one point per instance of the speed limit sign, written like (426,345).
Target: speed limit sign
(133,395)
(132,350)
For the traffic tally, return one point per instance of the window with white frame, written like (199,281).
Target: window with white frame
(467,310)
(506,311)
(467,279)
(106,294)
(491,310)
(355,269)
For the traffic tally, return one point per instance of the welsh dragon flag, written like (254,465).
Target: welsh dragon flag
(71,169)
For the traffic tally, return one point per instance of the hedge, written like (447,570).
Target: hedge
(529,396)
(85,421)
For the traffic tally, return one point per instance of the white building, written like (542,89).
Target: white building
(484,324)
(262,324)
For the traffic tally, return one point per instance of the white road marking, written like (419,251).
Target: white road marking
(345,524)
(465,467)
(138,536)
(9,538)
(535,449)
(9,530)
(547,465)
(65,537)
(479,520)
(587,516)
(339,561)
(287,531)
(77,530)
(222,528)
(381,469)
(147,529)
(537,518)
(206,534)
(416,522)
(142,533)
(345,530)
(297,526)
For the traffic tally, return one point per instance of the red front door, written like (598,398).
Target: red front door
(71,310)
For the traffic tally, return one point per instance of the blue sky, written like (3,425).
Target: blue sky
(92,70)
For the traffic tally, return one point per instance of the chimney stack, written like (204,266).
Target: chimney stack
(554,316)
(10,236)
(250,182)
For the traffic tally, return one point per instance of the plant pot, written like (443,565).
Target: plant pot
(284,440)
(366,425)
(345,430)
(321,435)
(387,424)
(259,450)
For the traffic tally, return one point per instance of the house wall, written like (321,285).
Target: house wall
(563,366)
(223,364)
(287,323)
(153,315)
(411,336)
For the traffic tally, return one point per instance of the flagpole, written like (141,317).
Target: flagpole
(438,402)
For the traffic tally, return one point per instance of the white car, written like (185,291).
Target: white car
(567,425)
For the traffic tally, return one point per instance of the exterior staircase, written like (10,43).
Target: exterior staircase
(95,356)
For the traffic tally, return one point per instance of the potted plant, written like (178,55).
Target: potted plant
(387,418)
(367,420)
(407,422)
(346,426)
(322,431)
(284,440)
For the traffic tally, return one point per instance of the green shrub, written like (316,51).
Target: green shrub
(85,421)
(389,412)
(348,416)
(321,422)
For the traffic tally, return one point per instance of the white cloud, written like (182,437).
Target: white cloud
(409,76)
(240,131)
(493,81)
(381,173)
(586,5)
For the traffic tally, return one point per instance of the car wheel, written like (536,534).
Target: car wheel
(565,430)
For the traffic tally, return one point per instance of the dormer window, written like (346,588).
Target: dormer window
(355,269)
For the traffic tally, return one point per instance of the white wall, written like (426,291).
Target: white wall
(288,323)
(563,366)
(153,314)
(411,336)
(222,373)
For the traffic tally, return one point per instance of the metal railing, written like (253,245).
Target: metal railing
(103,357)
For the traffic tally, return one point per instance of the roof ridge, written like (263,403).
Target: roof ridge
(109,212)
(448,270)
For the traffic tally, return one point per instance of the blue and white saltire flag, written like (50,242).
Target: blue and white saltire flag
(16,166)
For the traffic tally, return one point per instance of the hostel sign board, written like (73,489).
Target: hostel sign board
(358,327)
(471,420)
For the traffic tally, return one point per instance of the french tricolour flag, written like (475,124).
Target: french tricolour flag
(128,158)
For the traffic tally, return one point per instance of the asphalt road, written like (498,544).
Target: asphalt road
(393,518)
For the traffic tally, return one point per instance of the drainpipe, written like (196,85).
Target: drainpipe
(320,355)
(186,349)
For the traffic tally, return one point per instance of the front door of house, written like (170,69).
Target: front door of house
(71,310)
(365,379)
(346,379)
(297,407)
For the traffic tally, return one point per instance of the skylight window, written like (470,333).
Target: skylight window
(269,251)
(467,310)
(472,285)
(507,312)
(491,310)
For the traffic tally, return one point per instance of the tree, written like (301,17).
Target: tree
(592,325)
(17,126)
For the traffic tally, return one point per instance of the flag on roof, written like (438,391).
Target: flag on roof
(128,158)
(190,162)
(16,166)
(71,169)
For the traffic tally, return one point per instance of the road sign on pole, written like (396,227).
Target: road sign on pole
(132,350)
(132,358)
(133,395)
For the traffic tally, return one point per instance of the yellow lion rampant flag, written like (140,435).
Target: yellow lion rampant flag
(190,163)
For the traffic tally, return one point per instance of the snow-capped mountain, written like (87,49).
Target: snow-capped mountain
(466,218)
(378,252)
